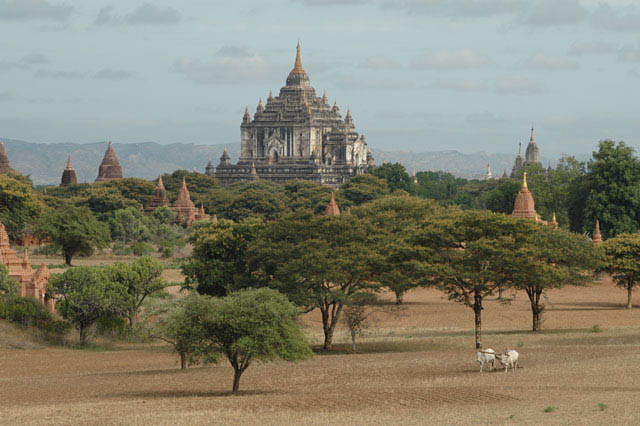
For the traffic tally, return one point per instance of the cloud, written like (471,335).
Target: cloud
(540,61)
(332,2)
(379,62)
(25,62)
(629,53)
(605,17)
(103,74)
(230,65)
(111,74)
(353,83)
(553,13)
(145,14)
(6,96)
(450,60)
(517,84)
(459,85)
(592,48)
(25,10)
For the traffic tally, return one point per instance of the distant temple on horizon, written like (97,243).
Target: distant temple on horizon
(5,166)
(110,168)
(532,155)
(297,135)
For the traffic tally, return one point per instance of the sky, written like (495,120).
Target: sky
(418,75)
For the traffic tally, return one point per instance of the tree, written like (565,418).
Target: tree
(363,188)
(441,186)
(394,218)
(548,258)
(358,310)
(254,324)
(87,295)
(8,286)
(622,261)
(180,322)
(502,198)
(140,278)
(73,230)
(464,254)
(609,192)
(319,262)
(20,205)
(396,176)
(301,194)
(218,264)
(129,225)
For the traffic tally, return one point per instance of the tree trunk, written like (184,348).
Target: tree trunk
(330,317)
(83,334)
(353,340)
(67,257)
(399,298)
(499,292)
(183,361)
(477,309)
(132,319)
(629,295)
(236,379)
(534,298)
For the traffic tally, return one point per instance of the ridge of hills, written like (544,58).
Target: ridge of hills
(44,162)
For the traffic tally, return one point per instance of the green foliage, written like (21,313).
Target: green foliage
(254,202)
(302,194)
(74,230)
(27,311)
(609,192)
(8,286)
(602,406)
(254,324)
(218,264)
(440,186)
(502,197)
(357,311)
(596,329)
(87,295)
(140,279)
(550,409)
(200,185)
(128,226)
(319,262)
(180,322)
(622,261)
(396,176)
(363,188)
(20,205)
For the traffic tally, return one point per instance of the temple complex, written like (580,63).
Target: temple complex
(524,206)
(68,175)
(5,167)
(32,283)
(532,155)
(297,135)
(186,211)
(110,168)
(159,197)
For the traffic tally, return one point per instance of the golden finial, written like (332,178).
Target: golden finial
(324,98)
(524,181)
(298,64)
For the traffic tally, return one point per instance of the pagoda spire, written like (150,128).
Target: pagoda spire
(332,208)
(160,183)
(533,138)
(597,237)
(69,165)
(524,181)
(297,66)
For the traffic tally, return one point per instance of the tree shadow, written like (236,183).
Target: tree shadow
(153,394)
(588,306)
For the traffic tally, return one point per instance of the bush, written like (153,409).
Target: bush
(141,249)
(30,312)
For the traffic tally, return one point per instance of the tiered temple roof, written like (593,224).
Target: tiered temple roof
(186,212)
(110,168)
(5,166)
(159,198)
(332,208)
(32,283)
(525,206)
(68,175)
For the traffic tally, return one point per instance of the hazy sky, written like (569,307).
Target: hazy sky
(417,74)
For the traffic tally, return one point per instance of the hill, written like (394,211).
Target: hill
(45,162)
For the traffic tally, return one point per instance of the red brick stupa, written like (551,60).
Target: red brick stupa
(160,197)
(69,175)
(597,236)
(524,206)
(110,168)
(332,208)
(186,212)
(5,167)
(32,283)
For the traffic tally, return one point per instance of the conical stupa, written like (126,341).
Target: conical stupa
(332,208)
(524,206)
(69,174)
(5,167)
(110,168)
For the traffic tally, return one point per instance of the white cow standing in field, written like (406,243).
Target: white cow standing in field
(509,358)
(486,356)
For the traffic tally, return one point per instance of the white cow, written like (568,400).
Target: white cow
(486,356)
(509,358)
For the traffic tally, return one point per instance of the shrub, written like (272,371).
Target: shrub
(550,409)
(596,329)
(24,310)
(141,249)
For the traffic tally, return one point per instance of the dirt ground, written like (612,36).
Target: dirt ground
(414,367)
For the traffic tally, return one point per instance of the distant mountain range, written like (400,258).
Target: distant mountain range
(45,162)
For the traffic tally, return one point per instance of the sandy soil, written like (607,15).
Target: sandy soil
(415,367)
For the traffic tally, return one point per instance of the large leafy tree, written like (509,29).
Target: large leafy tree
(394,219)
(609,192)
(140,278)
(622,261)
(441,186)
(319,262)
(218,264)
(20,205)
(396,176)
(73,230)
(129,225)
(254,324)
(87,294)
(363,188)
(302,194)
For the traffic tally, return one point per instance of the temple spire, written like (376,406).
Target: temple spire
(524,181)
(69,165)
(297,66)
(597,237)
(160,183)
(533,138)
(332,208)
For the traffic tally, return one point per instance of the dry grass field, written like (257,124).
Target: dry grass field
(416,367)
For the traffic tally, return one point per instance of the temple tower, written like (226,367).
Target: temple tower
(532,155)
(5,167)
(110,168)
(68,175)
(597,236)
(159,197)
(332,208)
(524,206)
(209,170)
